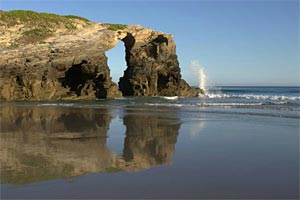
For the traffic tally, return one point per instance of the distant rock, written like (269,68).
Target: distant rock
(51,57)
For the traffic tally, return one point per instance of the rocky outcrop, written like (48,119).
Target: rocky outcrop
(68,61)
(152,66)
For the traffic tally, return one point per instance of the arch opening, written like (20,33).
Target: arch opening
(116,61)
(119,66)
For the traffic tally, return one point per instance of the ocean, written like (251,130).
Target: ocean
(269,101)
(232,142)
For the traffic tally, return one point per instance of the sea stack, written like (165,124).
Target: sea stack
(51,57)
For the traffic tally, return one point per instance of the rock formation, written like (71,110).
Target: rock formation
(152,65)
(51,57)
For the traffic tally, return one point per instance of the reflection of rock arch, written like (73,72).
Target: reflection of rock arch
(44,143)
(150,139)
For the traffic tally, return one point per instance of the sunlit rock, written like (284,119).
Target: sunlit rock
(67,60)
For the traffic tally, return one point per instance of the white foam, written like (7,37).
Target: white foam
(165,104)
(171,98)
(230,104)
(197,69)
(56,104)
(251,96)
(276,103)
(202,79)
(203,104)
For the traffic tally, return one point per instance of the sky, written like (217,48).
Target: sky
(247,43)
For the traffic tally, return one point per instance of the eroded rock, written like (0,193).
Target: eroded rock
(152,66)
(70,65)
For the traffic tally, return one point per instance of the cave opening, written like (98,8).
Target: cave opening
(162,82)
(75,78)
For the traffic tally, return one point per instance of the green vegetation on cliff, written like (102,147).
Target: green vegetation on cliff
(32,18)
(38,26)
(76,17)
(27,26)
(115,27)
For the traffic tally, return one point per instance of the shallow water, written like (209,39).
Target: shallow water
(235,142)
(147,148)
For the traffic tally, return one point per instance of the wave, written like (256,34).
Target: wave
(168,104)
(56,104)
(278,103)
(259,90)
(250,104)
(257,109)
(171,98)
(251,96)
(271,106)
(218,104)
(266,114)
(230,104)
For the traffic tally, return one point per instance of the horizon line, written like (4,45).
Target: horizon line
(250,86)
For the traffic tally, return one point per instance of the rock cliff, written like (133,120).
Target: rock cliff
(51,57)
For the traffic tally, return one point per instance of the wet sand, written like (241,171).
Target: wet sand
(145,152)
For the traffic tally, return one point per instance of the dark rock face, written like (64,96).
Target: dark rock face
(153,69)
(63,77)
(69,63)
(90,78)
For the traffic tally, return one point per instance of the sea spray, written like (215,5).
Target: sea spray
(202,79)
(196,67)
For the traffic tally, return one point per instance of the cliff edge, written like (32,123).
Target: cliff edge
(51,57)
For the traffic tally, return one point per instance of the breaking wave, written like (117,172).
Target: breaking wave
(252,96)
(56,104)
(219,104)
(170,98)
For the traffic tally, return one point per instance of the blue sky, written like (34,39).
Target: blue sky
(236,42)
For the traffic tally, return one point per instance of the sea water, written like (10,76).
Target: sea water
(233,142)
(270,101)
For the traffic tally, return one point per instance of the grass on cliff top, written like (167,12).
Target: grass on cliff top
(76,17)
(38,26)
(115,27)
(15,17)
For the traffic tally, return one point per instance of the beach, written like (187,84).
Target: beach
(150,147)
(149,99)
